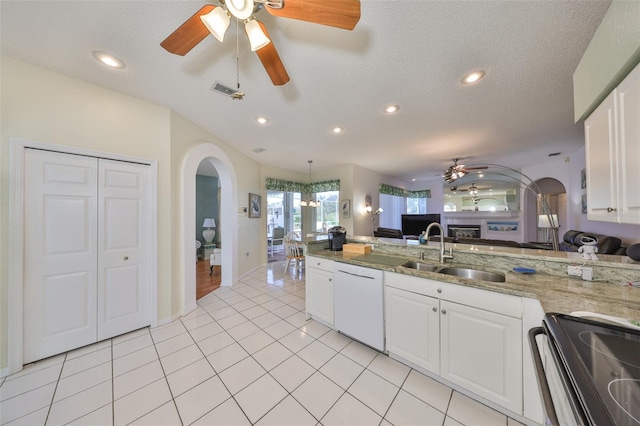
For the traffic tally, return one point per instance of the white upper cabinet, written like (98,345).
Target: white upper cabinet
(612,145)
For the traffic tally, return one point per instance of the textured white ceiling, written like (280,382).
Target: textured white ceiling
(410,53)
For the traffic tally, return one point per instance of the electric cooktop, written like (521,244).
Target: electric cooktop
(602,362)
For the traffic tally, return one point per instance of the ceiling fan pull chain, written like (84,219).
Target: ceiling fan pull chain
(237,54)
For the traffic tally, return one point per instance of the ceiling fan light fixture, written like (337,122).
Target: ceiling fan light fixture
(241,9)
(257,38)
(217,21)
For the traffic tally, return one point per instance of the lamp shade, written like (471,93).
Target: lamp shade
(543,221)
(209,223)
(217,22)
(257,38)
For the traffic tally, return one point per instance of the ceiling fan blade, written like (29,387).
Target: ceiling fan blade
(189,34)
(271,61)
(343,14)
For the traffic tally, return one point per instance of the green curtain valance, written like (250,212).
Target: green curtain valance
(383,188)
(305,188)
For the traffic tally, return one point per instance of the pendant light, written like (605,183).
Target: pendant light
(309,202)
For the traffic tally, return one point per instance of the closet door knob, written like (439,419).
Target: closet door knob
(126,258)
(435,309)
(444,312)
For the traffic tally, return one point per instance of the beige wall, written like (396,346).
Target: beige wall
(44,106)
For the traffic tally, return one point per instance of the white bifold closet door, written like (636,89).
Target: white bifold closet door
(87,251)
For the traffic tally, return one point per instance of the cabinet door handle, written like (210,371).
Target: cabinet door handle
(318,263)
(611,210)
(126,258)
(330,279)
(444,312)
(435,309)
(439,290)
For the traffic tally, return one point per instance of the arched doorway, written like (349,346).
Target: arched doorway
(555,194)
(228,215)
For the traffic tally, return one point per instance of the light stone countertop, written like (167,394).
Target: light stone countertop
(551,286)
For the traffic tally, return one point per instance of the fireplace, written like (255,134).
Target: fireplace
(463,231)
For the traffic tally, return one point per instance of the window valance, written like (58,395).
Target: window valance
(383,188)
(305,188)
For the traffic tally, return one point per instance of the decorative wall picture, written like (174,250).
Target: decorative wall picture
(583,178)
(584,203)
(255,205)
(346,208)
(502,226)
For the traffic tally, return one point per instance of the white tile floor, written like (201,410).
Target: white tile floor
(245,356)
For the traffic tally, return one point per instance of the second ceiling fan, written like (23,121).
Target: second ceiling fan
(211,19)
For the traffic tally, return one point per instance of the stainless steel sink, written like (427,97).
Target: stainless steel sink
(419,266)
(473,274)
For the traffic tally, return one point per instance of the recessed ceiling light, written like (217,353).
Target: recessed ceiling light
(413,180)
(108,60)
(337,130)
(391,109)
(262,120)
(473,77)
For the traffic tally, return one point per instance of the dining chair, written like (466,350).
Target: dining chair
(276,239)
(294,251)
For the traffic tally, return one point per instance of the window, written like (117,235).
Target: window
(416,205)
(395,206)
(327,214)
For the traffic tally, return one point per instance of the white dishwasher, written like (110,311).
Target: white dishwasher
(358,303)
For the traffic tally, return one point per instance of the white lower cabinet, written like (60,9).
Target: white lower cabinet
(319,289)
(482,352)
(413,328)
(479,350)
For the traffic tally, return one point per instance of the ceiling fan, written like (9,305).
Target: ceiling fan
(456,171)
(214,19)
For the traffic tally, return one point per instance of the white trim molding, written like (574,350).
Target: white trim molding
(17,146)
(228,218)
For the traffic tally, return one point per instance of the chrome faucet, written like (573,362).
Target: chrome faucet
(443,256)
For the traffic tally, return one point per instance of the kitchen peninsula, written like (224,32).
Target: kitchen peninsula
(471,334)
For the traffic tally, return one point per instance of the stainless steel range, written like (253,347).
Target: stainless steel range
(598,365)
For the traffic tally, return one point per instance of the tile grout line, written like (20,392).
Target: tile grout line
(55,389)
(164,373)
(221,381)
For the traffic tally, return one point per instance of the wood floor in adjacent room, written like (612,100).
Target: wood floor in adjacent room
(205,284)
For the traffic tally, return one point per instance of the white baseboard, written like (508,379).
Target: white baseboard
(4,372)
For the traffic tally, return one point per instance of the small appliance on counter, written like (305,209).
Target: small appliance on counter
(337,238)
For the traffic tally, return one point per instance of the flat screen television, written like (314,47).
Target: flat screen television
(416,224)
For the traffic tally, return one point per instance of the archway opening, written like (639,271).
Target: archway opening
(555,194)
(228,218)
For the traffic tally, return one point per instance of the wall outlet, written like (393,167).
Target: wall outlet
(574,270)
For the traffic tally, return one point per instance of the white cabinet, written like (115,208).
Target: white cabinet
(468,336)
(319,289)
(413,328)
(612,133)
(482,352)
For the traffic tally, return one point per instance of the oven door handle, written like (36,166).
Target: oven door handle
(543,384)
